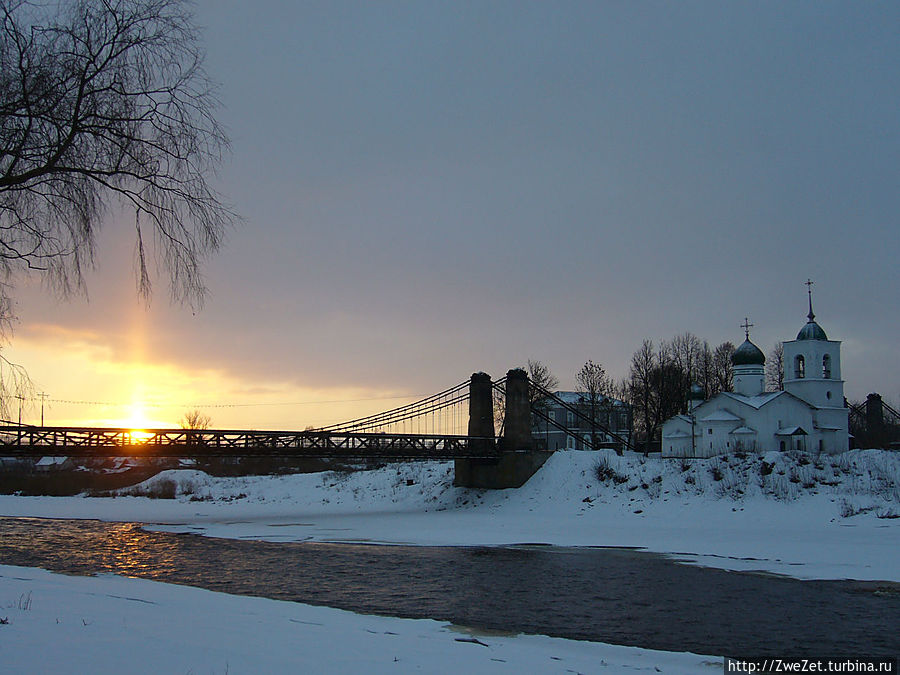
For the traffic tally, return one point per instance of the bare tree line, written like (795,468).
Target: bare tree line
(659,381)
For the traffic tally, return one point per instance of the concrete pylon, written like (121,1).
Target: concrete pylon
(481,406)
(517,420)
(517,461)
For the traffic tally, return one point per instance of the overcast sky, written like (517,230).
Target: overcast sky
(432,189)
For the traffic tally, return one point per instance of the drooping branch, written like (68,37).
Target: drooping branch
(107,102)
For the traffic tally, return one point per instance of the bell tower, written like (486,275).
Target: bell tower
(812,364)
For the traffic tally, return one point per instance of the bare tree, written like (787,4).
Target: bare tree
(540,376)
(540,379)
(775,368)
(195,420)
(595,386)
(706,371)
(667,387)
(106,102)
(687,354)
(723,368)
(640,390)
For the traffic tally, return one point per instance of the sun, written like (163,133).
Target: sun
(137,418)
(138,422)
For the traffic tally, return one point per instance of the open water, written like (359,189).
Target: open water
(608,595)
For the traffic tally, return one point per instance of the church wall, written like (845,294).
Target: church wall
(679,446)
(714,438)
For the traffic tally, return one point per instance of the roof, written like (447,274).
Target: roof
(748,354)
(51,461)
(721,415)
(791,431)
(812,331)
(757,401)
(741,431)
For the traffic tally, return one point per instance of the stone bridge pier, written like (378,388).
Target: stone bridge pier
(516,460)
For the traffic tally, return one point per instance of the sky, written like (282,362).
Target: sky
(433,189)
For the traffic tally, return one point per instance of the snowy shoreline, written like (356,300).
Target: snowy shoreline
(834,518)
(53,623)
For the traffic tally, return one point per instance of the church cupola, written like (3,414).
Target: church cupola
(812,364)
(749,366)
(812,330)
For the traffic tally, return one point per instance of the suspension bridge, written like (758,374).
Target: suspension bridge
(455,424)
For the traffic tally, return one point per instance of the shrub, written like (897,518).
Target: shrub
(165,488)
(605,472)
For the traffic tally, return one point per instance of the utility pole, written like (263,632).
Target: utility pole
(43,396)
(21,398)
(19,432)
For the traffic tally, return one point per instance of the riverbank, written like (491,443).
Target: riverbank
(833,518)
(52,623)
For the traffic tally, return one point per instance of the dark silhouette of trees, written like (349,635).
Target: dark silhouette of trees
(102,103)
(723,369)
(106,102)
(659,381)
(596,389)
(540,376)
(196,420)
(775,368)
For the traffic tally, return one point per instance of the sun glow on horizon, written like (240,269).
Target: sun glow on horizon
(90,385)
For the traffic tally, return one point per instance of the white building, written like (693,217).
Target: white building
(808,415)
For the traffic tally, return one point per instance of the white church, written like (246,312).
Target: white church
(809,415)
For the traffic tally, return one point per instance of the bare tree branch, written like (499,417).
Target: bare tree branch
(106,102)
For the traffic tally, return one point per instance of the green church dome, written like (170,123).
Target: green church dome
(748,354)
(812,331)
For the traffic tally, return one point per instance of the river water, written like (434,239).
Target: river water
(608,595)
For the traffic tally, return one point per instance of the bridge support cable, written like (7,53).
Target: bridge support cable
(410,412)
(428,419)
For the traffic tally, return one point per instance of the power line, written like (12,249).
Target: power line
(230,405)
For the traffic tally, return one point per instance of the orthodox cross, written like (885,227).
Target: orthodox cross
(746,326)
(809,284)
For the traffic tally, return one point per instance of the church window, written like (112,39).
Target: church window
(826,366)
(782,446)
(570,418)
(709,431)
(570,442)
(799,367)
(828,395)
(821,445)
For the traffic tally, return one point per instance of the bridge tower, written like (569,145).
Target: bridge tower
(517,460)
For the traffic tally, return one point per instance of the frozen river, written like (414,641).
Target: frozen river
(609,595)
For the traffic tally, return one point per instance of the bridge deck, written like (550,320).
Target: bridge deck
(29,441)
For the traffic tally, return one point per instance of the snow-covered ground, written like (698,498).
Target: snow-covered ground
(831,518)
(51,623)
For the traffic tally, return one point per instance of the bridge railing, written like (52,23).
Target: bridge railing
(30,441)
